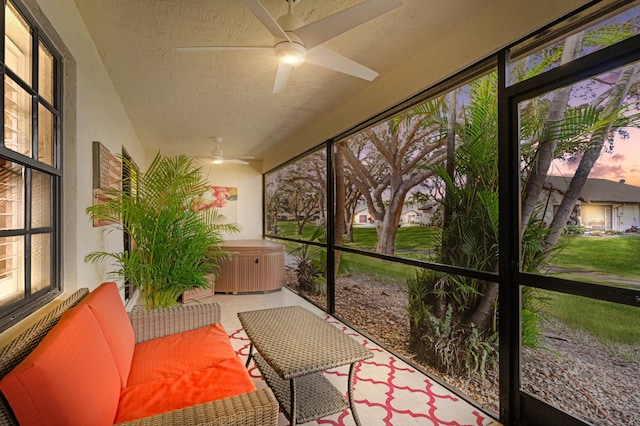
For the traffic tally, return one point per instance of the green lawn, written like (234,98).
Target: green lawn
(408,238)
(606,321)
(290,229)
(617,256)
(614,256)
(378,269)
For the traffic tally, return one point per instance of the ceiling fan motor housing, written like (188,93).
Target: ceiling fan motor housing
(290,22)
(292,51)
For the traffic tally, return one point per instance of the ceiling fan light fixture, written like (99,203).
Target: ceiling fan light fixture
(290,53)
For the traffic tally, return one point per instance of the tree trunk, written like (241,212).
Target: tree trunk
(483,315)
(402,156)
(340,202)
(547,144)
(590,156)
(388,227)
(301,224)
(350,207)
(451,149)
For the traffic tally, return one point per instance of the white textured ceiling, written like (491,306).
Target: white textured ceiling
(176,100)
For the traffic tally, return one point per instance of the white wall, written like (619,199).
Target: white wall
(249,183)
(630,216)
(92,112)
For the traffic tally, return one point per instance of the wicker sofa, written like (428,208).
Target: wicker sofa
(83,364)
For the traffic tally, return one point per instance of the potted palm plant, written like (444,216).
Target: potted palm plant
(176,245)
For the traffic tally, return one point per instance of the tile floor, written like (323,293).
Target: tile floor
(387,391)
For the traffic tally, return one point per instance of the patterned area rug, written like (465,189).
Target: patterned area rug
(387,391)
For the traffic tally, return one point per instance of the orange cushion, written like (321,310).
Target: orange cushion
(226,379)
(176,354)
(107,306)
(70,378)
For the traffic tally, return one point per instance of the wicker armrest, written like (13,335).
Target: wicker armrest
(255,408)
(156,323)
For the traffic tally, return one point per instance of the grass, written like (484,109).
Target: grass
(290,229)
(408,238)
(615,256)
(378,269)
(608,322)
(355,263)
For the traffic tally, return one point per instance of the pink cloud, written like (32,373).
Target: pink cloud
(618,158)
(622,163)
(606,171)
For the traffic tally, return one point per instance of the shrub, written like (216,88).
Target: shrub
(445,342)
(574,230)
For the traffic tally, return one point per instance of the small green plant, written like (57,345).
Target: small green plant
(626,353)
(482,352)
(310,261)
(574,230)
(533,307)
(530,333)
(320,285)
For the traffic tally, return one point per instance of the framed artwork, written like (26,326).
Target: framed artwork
(107,172)
(222,198)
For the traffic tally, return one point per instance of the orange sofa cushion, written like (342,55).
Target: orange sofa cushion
(177,354)
(107,307)
(228,378)
(70,378)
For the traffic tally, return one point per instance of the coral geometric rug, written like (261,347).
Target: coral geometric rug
(387,391)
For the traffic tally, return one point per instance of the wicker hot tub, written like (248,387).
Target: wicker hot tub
(256,266)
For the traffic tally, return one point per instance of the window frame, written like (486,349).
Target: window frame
(522,405)
(516,406)
(32,301)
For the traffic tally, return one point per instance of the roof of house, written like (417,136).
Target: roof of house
(428,206)
(598,190)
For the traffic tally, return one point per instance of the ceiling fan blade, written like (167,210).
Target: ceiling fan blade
(267,20)
(219,48)
(240,157)
(327,28)
(328,59)
(282,75)
(235,161)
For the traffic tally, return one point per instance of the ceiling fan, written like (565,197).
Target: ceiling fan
(296,42)
(217,156)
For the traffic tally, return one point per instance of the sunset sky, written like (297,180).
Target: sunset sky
(622,163)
